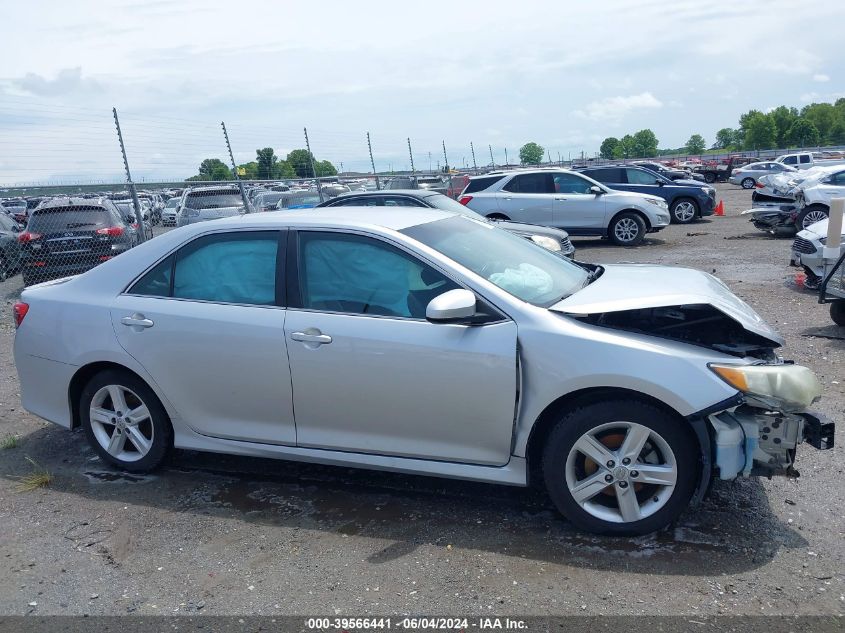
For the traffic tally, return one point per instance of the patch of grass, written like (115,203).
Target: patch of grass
(10,441)
(39,478)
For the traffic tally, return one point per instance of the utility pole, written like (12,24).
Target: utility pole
(445,157)
(451,190)
(372,162)
(474,164)
(549,155)
(492,162)
(507,162)
(235,168)
(135,202)
(313,168)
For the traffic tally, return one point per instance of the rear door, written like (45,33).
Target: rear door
(207,324)
(529,198)
(578,209)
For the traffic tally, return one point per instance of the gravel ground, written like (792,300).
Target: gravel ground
(223,535)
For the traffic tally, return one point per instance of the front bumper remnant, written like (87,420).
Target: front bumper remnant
(818,431)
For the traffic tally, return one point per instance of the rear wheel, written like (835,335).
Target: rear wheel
(709,177)
(124,421)
(620,467)
(748,183)
(627,229)
(810,215)
(837,312)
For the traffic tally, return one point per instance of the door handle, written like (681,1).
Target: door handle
(560,198)
(315,337)
(137,320)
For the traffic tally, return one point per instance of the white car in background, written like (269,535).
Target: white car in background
(168,214)
(566,200)
(209,203)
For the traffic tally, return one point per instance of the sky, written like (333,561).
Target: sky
(497,75)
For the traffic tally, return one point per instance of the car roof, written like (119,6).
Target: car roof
(391,218)
(513,172)
(74,201)
(213,188)
(416,193)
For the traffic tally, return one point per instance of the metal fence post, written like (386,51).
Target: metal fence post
(474,164)
(235,168)
(135,202)
(372,162)
(313,168)
(411,154)
(507,162)
(448,169)
(492,162)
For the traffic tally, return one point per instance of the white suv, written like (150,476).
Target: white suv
(567,200)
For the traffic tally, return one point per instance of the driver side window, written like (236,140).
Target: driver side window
(355,274)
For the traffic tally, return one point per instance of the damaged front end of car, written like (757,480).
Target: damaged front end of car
(755,432)
(775,219)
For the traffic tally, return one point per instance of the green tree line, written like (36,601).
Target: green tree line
(783,127)
(267,166)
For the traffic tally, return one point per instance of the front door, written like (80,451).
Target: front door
(371,375)
(206,324)
(576,207)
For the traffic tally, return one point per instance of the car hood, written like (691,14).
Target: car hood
(817,230)
(636,286)
(686,182)
(629,195)
(532,229)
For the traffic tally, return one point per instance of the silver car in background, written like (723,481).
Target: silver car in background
(199,204)
(419,341)
(566,200)
(749,175)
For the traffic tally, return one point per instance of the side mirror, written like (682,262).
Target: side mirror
(130,219)
(596,190)
(657,181)
(454,305)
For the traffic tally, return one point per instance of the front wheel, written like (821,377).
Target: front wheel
(621,467)
(124,421)
(684,211)
(810,215)
(748,183)
(627,229)
(837,312)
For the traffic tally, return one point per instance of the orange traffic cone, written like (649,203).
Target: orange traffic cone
(720,209)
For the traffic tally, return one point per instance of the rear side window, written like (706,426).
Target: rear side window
(237,267)
(530,183)
(69,218)
(804,158)
(480,184)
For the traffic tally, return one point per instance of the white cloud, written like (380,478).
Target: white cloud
(614,109)
(821,77)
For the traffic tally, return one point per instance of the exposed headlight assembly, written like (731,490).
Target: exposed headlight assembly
(660,202)
(783,387)
(546,242)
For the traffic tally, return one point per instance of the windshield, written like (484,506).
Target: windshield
(213,200)
(525,270)
(439,201)
(172,203)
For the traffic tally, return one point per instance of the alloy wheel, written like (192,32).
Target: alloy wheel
(812,217)
(121,423)
(684,211)
(626,230)
(621,472)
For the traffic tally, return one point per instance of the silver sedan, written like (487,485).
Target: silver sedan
(418,341)
(748,175)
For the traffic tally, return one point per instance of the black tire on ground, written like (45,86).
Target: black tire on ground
(162,431)
(574,424)
(810,215)
(837,312)
(709,177)
(748,183)
(627,229)
(685,204)
(497,216)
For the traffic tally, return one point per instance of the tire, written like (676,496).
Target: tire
(810,215)
(837,312)
(668,451)
(497,216)
(709,178)
(142,443)
(684,210)
(627,229)
(748,183)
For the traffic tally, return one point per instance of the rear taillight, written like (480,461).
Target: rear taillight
(28,236)
(111,231)
(464,200)
(19,311)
